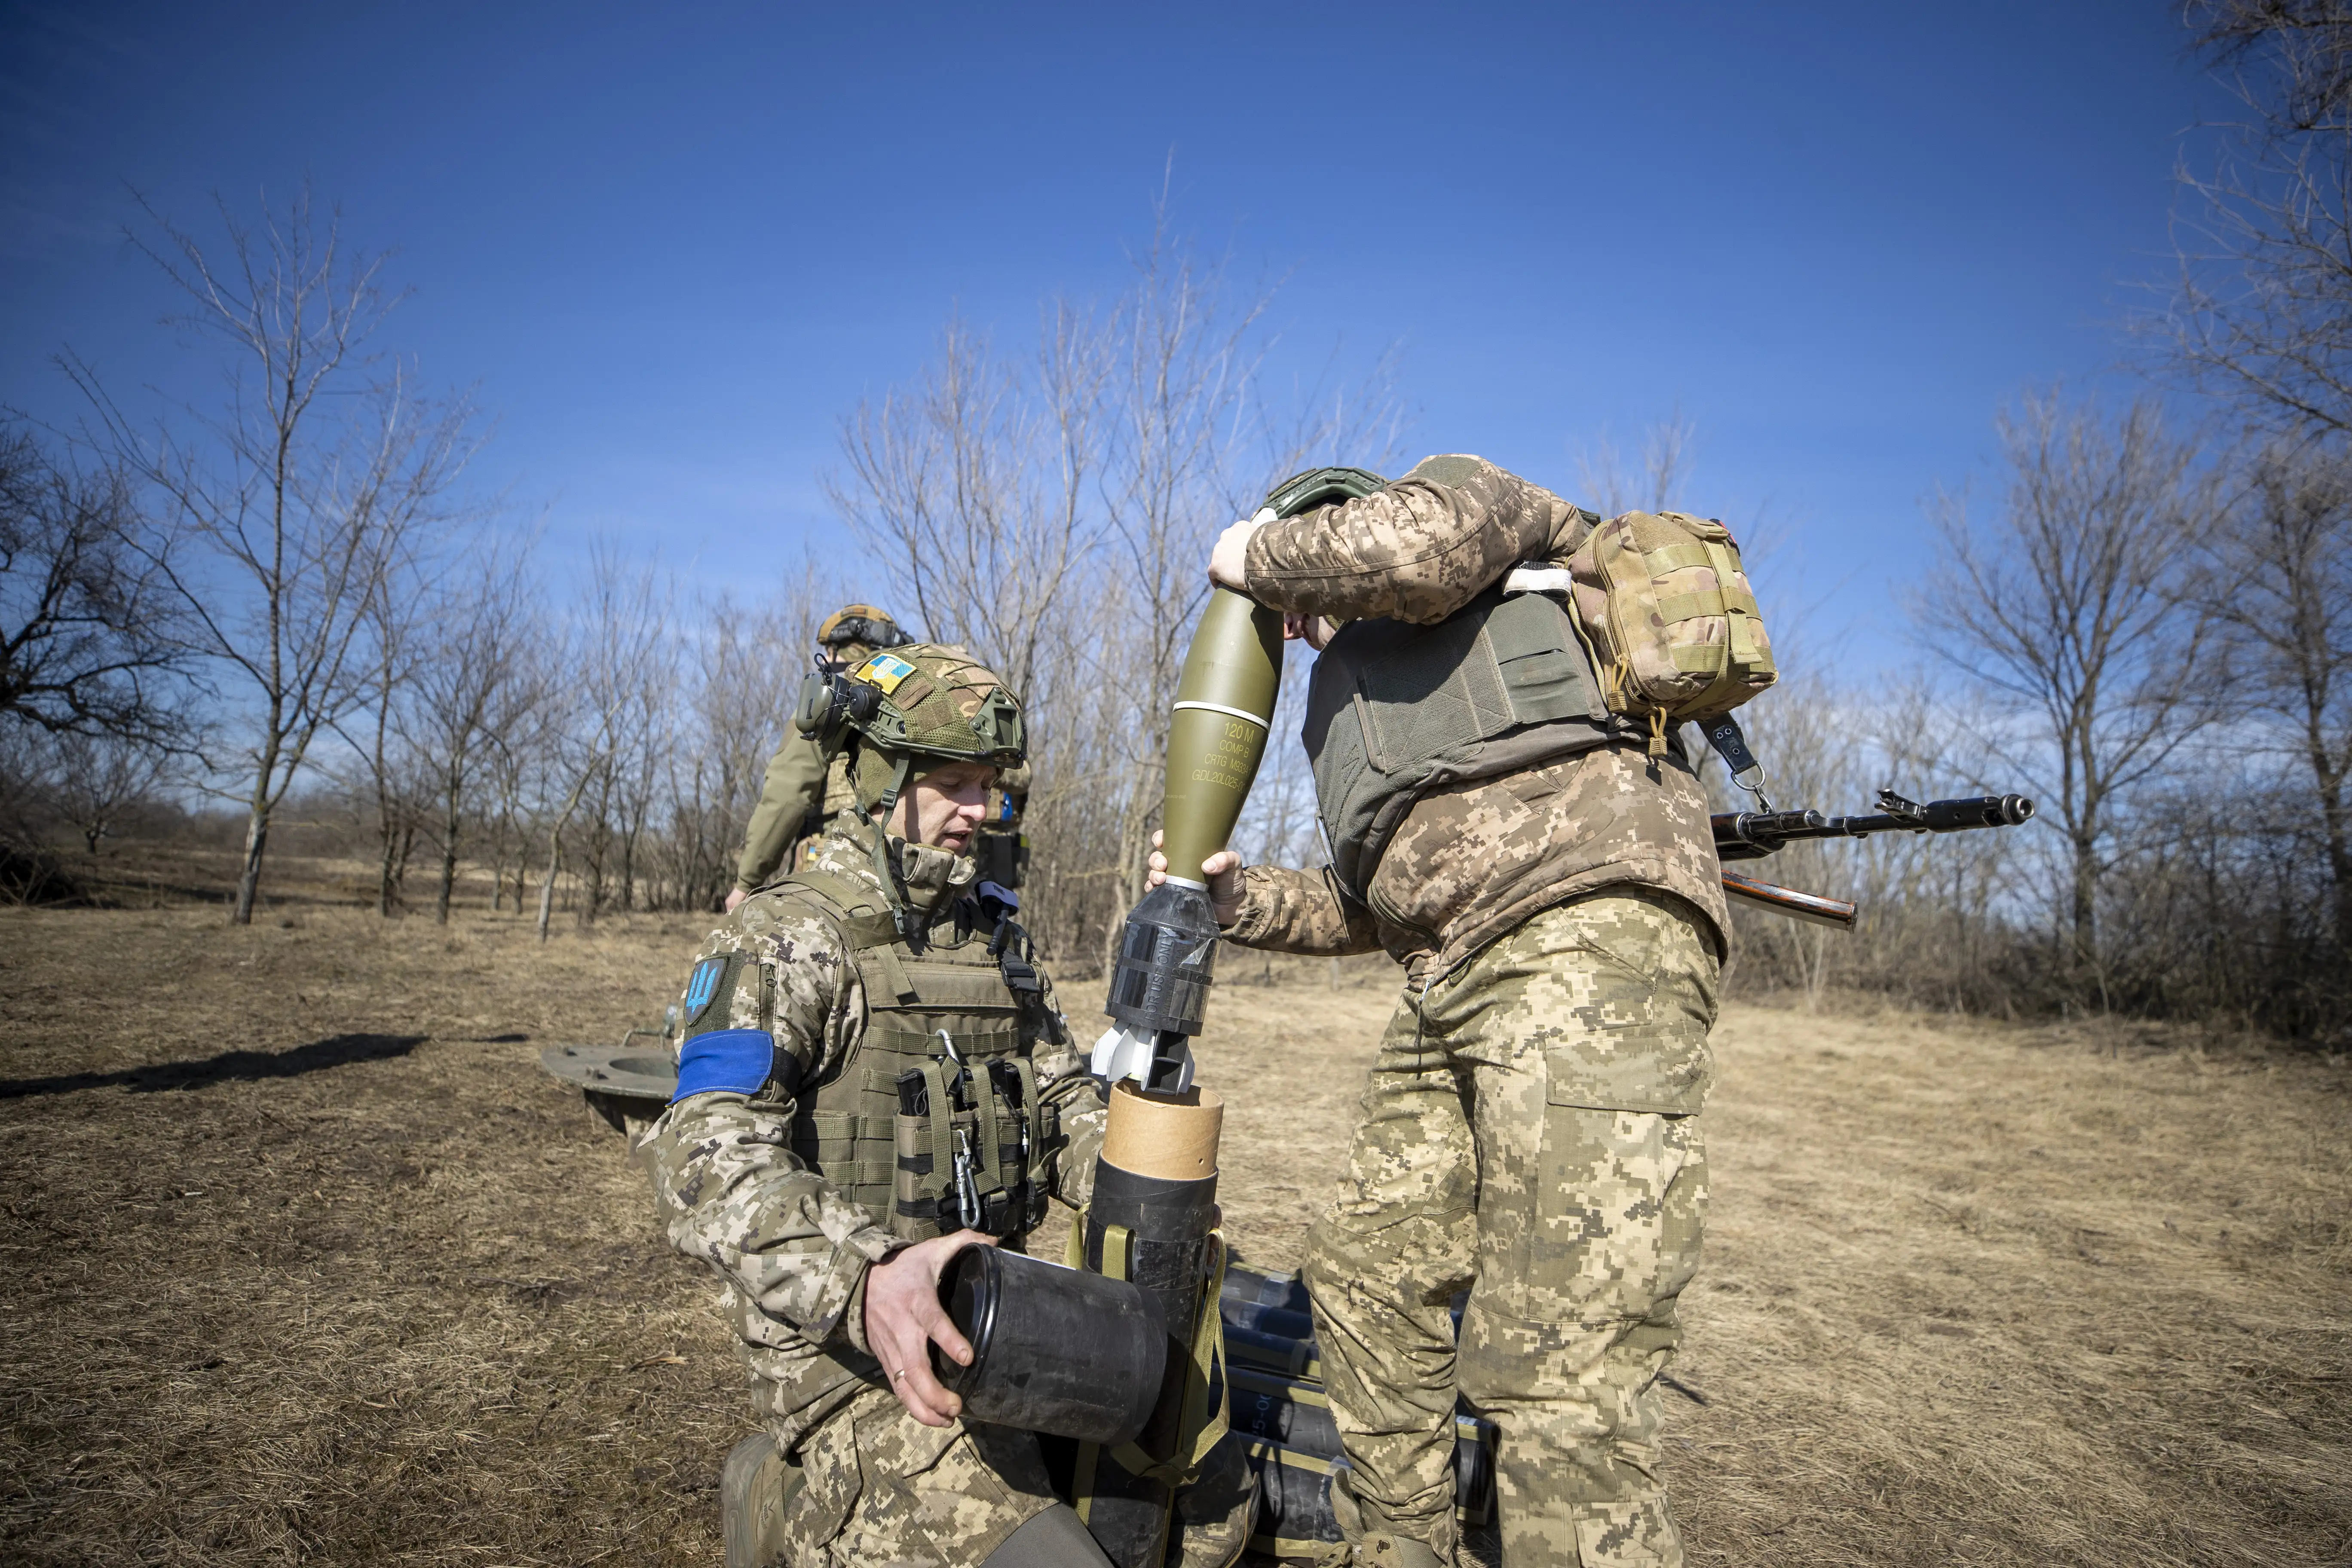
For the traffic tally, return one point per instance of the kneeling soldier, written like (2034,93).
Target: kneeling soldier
(873,1077)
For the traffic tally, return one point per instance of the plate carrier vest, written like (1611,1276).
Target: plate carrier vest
(932,1138)
(1395,710)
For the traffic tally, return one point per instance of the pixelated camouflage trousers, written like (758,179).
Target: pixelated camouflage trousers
(1529,1133)
(881,1489)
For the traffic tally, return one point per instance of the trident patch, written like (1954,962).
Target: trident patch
(702,986)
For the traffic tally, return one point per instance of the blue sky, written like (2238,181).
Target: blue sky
(670,246)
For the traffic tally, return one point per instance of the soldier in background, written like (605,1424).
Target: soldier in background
(801,789)
(1529,1130)
(999,846)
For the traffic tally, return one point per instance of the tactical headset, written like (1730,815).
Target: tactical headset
(830,703)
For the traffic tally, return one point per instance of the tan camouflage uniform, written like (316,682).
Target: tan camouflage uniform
(1529,1130)
(792,1250)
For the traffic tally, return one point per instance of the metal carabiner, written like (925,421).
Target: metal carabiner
(967,1190)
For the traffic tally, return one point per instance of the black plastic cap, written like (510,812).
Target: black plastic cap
(1162,978)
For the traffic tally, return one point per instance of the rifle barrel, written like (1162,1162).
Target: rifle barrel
(1752,835)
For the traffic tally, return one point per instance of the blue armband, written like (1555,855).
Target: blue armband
(731,1061)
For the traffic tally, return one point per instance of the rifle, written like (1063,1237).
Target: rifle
(1752,835)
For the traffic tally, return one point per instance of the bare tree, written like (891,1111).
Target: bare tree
(748,666)
(1054,514)
(2263,310)
(95,780)
(2281,575)
(2072,605)
(601,746)
(1192,445)
(474,692)
(1616,481)
(393,645)
(284,505)
(84,647)
(971,489)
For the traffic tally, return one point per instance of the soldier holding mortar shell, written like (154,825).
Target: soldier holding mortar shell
(1512,817)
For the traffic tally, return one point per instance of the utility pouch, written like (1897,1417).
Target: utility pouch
(921,1157)
(963,1140)
(1665,602)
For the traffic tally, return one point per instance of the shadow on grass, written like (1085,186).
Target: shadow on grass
(229,1067)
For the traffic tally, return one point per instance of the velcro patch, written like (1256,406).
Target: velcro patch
(885,671)
(727,1061)
(702,986)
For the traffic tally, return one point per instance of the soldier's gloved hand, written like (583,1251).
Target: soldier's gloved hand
(903,1320)
(1229,557)
(1223,870)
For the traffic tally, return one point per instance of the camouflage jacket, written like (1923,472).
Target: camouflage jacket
(1472,860)
(790,1245)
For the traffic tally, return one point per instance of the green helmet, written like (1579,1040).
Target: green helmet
(900,708)
(1321,486)
(909,703)
(853,631)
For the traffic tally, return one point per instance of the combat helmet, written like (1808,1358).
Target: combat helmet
(1320,487)
(905,704)
(854,631)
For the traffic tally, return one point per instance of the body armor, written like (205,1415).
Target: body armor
(932,1121)
(1395,710)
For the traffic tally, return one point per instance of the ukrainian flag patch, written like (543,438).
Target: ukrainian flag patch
(885,671)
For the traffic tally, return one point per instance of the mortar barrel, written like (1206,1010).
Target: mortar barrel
(1155,1180)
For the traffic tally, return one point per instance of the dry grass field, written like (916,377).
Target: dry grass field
(303,1259)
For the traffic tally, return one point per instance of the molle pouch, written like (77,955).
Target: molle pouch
(1020,1151)
(1665,604)
(1044,1142)
(911,1194)
(985,1136)
(924,1164)
(962,1144)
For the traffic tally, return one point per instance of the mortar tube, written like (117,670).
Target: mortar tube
(1157,1177)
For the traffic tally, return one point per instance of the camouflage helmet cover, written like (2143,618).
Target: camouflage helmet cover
(860,625)
(936,703)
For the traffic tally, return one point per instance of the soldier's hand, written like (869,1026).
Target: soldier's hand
(1223,870)
(903,1320)
(734,897)
(1229,558)
(1315,631)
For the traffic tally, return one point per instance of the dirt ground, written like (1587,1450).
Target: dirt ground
(303,1259)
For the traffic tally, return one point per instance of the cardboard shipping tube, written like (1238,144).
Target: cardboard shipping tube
(1171,1137)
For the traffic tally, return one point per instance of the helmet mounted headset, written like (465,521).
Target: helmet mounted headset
(866,709)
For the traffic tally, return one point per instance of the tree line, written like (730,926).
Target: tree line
(286,599)
(2144,620)
(2148,625)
